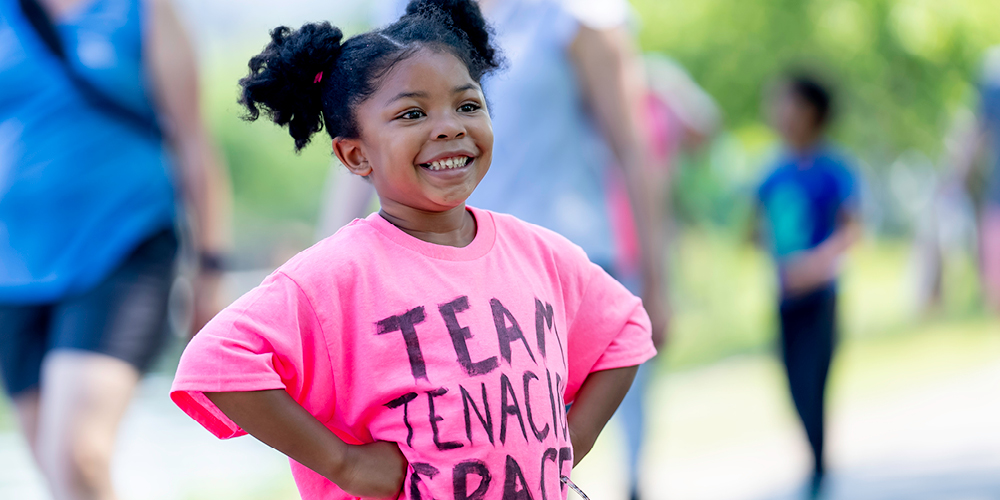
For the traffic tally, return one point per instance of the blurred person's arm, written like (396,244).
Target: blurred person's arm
(965,146)
(812,269)
(374,470)
(612,80)
(202,176)
(345,197)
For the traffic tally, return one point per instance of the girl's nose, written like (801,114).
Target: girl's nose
(449,127)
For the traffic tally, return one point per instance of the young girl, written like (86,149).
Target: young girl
(429,350)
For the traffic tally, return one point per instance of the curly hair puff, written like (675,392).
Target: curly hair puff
(309,78)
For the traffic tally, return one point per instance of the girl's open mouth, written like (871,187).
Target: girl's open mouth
(448,163)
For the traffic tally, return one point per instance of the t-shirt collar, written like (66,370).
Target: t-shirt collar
(480,246)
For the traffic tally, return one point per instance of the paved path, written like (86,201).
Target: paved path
(164,455)
(933,442)
(724,432)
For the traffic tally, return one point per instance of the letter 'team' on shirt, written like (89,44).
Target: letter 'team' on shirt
(466,357)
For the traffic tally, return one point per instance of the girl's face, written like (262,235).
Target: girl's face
(425,135)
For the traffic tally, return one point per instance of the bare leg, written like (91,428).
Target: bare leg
(26,407)
(83,398)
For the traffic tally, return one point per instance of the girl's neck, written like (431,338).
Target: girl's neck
(455,227)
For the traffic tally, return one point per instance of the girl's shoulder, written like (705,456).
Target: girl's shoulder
(335,255)
(522,236)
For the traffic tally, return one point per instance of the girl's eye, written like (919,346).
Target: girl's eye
(412,114)
(469,107)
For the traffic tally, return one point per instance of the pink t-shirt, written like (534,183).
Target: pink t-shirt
(466,357)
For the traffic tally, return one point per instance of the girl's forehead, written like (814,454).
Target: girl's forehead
(425,73)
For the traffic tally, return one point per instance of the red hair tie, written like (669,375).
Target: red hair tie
(319,77)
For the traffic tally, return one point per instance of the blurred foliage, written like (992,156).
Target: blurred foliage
(723,295)
(267,175)
(277,192)
(901,69)
(900,66)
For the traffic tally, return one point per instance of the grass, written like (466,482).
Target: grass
(867,368)
(724,297)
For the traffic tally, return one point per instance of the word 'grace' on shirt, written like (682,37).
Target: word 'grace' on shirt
(465,357)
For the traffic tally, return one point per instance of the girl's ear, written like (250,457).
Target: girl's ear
(349,153)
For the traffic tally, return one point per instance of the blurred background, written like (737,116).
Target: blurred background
(914,408)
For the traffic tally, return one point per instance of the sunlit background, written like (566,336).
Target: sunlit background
(915,390)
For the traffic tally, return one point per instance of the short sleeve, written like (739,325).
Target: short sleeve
(268,339)
(847,190)
(609,330)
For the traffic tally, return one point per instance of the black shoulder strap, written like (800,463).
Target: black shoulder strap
(42,23)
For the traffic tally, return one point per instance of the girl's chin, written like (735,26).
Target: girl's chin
(435,205)
(449,197)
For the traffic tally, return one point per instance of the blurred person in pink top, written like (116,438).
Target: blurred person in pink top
(975,146)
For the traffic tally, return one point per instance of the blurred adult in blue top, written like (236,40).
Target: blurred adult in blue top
(808,203)
(100,134)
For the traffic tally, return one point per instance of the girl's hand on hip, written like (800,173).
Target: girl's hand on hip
(374,470)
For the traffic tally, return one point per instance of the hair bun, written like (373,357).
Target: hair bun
(283,78)
(465,17)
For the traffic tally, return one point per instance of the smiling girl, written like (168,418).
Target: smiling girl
(430,350)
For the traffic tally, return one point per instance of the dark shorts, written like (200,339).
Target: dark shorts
(124,316)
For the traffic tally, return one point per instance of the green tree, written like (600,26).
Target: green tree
(900,66)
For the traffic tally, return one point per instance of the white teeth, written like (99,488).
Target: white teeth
(449,163)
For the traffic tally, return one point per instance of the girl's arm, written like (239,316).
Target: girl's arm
(595,403)
(201,172)
(373,470)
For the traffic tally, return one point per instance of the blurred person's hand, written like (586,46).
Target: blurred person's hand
(201,172)
(813,269)
(207,291)
(655,302)
(810,270)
